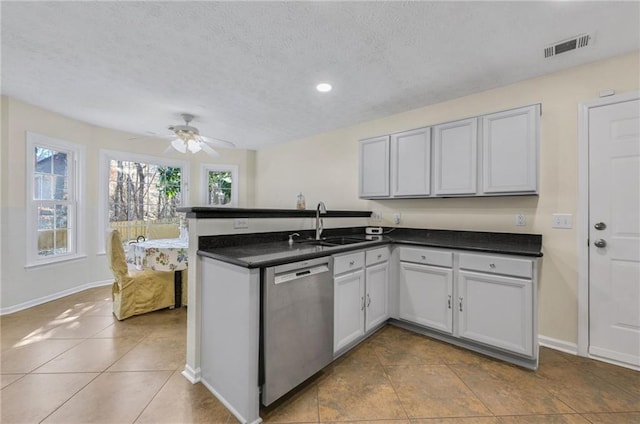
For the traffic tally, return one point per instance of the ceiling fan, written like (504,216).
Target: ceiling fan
(187,138)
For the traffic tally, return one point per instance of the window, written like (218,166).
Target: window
(141,190)
(54,193)
(220,185)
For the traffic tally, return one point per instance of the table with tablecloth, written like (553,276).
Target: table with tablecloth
(164,255)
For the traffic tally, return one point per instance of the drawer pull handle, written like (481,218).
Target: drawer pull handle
(423,257)
(449,302)
(460,303)
(362,303)
(368,300)
(492,266)
(380,256)
(352,263)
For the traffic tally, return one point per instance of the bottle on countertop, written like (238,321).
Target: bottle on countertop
(300,203)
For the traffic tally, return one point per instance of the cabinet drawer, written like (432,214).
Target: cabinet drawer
(497,265)
(375,256)
(426,257)
(349,262)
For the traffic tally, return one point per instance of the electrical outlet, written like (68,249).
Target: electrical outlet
(240,223)
(561,220)
(376,216)
(521,220)
(396,218)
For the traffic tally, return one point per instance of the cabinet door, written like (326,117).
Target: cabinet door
(374,167)
(349,304)
(426,296)
(455,162)
(411,163)
(496,310)
(377,283)
(510,151)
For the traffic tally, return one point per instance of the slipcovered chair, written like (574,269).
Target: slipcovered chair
(162,231)
(136,293)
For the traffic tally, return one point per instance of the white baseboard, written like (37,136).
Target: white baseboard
(192,375)
(54,296)
(556,344)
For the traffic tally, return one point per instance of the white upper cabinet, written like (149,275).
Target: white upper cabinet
(411,163)
(455,160)
(374,167)
(489,155)
(510,151)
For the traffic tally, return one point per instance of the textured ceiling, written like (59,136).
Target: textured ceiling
(247,70)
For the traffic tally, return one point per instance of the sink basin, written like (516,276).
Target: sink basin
(334,241)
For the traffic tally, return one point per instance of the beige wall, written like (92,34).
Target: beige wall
(20,285)
(325,167)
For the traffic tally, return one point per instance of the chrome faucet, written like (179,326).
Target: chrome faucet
(320,209)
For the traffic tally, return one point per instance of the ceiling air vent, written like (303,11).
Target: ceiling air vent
(567,45)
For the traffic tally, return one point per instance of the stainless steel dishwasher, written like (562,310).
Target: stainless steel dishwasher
(297,324)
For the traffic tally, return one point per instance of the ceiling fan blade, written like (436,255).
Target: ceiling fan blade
(208,150)
(217,142)
(169,149)
(179,145)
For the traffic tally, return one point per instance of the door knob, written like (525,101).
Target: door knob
(599,243)
(600,226)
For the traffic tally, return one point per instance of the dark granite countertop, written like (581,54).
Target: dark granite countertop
(270,249)
(209,212)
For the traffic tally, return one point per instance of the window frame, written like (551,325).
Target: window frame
(204,190)
(76,215)
(105,157)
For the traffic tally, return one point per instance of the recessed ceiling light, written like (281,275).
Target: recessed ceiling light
(324,87)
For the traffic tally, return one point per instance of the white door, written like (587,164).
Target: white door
(614,231)
(455,151)
(411,163)
(348,304)
(510,151)
(377,310)
(374,167)
(496,310)
(426,296)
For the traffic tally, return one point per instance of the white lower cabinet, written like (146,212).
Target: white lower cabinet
(488,299)
(426,296)
(496,310)
(377,282)
(360,295)
(348,304)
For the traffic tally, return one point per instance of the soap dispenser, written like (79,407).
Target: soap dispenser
(300,203)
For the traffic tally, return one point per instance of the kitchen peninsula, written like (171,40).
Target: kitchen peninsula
(474,289)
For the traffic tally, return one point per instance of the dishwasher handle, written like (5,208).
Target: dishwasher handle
(297,274)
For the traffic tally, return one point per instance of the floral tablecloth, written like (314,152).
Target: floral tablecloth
(161,254)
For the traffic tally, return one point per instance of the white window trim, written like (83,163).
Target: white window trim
(107,156)
(204,195)
(79,214)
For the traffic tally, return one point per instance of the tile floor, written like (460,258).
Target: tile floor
(69,361)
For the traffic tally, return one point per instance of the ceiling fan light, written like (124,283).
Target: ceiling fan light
(193,146)
(179,145)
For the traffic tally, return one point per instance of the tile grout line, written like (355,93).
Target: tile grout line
(153,397)
(471,390)
(71,397)
(386,374)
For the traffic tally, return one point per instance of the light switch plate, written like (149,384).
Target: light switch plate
(561,220)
